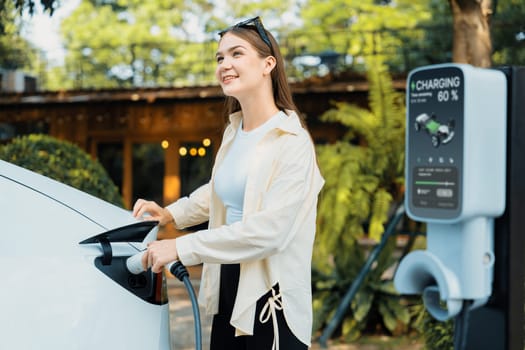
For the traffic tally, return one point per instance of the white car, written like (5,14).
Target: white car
(64,282)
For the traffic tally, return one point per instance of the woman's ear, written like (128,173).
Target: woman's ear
(270,63)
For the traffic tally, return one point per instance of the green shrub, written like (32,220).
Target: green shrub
(62,161)
(437,334)
(364,175)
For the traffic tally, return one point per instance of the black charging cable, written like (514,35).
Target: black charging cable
(178,270)
(461,326)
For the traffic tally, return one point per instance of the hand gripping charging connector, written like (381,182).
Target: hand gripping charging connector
(134,265)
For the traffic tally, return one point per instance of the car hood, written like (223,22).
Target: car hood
(104,214)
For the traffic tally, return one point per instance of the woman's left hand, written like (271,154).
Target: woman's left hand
(158,254)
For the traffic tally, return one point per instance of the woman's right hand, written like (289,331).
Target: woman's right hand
(155,211)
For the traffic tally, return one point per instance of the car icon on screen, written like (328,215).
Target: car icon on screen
(439,133)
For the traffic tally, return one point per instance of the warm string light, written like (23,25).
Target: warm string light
(194,151)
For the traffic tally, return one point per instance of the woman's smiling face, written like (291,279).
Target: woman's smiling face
(240,69)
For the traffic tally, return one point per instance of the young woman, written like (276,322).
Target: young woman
(261,205)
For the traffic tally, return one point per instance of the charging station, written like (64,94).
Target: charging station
(464,133)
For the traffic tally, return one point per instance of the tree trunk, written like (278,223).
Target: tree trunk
(472,42)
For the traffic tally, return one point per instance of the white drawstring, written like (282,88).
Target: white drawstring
(274,303)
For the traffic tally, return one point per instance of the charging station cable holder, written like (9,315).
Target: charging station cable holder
(455,182)
(448,272)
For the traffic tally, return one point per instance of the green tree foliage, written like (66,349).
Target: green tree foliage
(15,51)
(508,33)
(361,28)
(173,43)
(8,7)
(129,43)
(125,43)
(436,334)
(62,161)
(435,45)
(364,178)
(272,12)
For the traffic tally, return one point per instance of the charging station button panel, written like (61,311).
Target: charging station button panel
(435,126)
(435,187)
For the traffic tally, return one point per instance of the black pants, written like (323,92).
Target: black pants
(223,334)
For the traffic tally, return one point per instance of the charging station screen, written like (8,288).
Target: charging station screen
(435,142)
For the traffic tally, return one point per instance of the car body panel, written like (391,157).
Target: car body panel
(53,296)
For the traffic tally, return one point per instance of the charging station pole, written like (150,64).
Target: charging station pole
(466,180)
(500,324)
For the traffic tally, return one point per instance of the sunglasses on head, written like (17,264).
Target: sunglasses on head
(252,22)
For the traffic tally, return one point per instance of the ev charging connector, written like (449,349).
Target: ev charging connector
(134,266)
(455,182)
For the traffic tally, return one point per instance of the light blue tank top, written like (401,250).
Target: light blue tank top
(231,175)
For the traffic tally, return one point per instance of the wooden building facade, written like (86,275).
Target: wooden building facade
(157,143)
